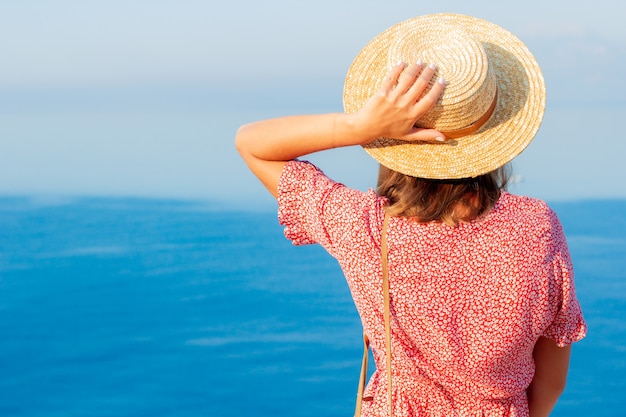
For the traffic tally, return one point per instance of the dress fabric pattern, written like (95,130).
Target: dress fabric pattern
(468,303)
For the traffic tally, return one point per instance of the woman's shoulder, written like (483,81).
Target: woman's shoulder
(317,209)
(523,204)
(528,211)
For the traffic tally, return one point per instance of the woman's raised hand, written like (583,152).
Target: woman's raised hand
(392,112)
(400,102)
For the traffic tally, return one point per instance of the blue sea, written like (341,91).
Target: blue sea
(146,307)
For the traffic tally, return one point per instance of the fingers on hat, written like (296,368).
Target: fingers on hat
(408,78)
(421,84)
(429,135)
(431,97)
(392,78)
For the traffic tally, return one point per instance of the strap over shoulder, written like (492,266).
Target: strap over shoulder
(387,314)
(387,317)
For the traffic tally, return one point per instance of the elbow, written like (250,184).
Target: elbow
(542,398)
(240,140)
(245,143)
(553,387)
(559,386)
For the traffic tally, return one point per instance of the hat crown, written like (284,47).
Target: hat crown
(461,60)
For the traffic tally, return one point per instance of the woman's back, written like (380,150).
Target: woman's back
(468,302)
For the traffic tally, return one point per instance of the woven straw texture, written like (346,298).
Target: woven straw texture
(480,62)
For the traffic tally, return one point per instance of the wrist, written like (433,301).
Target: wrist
(358,132)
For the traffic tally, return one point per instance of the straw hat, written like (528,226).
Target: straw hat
(492,105)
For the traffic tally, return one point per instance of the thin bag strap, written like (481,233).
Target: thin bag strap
(363,376)
(385,256)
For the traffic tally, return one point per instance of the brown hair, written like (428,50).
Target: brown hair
(448,201)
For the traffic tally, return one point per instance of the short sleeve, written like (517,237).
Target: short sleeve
(316,209)
(568,325)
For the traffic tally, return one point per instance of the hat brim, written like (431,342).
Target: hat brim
(515,121)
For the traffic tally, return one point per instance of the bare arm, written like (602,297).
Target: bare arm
(551,366)
(392,112)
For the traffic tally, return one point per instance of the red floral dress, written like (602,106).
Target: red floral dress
(468,303)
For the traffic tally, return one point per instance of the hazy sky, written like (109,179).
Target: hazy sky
(142,98)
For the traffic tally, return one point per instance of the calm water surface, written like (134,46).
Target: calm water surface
(135,307)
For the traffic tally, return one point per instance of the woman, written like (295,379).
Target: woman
(483,305)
